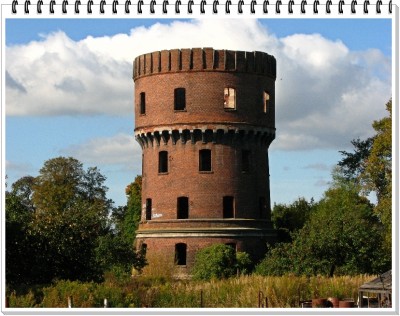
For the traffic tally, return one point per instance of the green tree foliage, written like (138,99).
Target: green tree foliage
(53,223)
(18,242)
(353,164)
(133,209)
(378,171)
(116,250)
(342,236)
(370,165)
(288,219)
(71,211)
(216,261)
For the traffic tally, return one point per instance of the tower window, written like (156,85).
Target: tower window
(228,207)
(180,99)
(143,249)
(266,98)
(142,103)
(163,162)
(246,160)
(148,209)
(205,160)
(180,254)
(230,98)
(183,207)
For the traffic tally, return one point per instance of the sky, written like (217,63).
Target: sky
(69,91)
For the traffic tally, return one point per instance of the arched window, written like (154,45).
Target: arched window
(246,160)
(163,162)
(230,98)
(142,103)
(266,99)
(148,209)
(182,207)
(180,99)
(180,254)
(228,207)
(205,160)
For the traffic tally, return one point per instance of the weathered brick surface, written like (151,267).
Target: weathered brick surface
(205,124)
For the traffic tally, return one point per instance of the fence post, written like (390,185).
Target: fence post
(70,302)
(201,298)
(105,303)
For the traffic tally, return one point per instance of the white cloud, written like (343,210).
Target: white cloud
(121,149)
(326,95)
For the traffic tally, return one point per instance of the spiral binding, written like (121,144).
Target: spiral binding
(264,6)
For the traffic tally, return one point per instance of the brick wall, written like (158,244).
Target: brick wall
(205,124)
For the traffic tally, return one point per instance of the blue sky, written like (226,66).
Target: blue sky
(69,90)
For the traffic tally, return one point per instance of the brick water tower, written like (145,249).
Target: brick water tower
(205,119)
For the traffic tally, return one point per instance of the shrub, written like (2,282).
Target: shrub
(216,261)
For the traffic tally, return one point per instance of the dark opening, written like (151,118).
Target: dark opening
(180,254)
(143,249)
(180,99)
(163,161)
(262,207)
(183,207)
(142,103)
(246,160)
(228,207)
(148,209)
(205,160)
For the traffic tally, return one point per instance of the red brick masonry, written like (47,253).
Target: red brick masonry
(237,139)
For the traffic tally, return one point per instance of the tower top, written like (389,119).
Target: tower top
(204,59)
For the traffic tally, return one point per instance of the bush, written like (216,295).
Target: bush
(216,261)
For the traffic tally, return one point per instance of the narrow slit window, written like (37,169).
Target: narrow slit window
(180,254)
(143,249)
(266,99)
(142,103)
(148,209)
(230,98)
(180,99)
(163,162)
(228,207)
(246,160)
(183,207)
(205,160)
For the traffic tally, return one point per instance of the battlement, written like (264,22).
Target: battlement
(204,59)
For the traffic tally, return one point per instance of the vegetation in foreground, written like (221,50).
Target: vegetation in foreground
(87,244)
(237,292)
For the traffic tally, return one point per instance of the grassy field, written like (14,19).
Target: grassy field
(285,291)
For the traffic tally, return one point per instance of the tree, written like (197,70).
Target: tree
(342,236)
(288,219)
(371,166)
(133,209)
(116,249)
(71,211)
(378,171)
(353,164)
(18,243)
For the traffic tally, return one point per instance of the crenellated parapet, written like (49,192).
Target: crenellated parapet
(204,59)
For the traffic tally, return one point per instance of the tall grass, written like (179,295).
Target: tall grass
(243,291)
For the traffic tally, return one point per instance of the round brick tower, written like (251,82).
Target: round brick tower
(204,119)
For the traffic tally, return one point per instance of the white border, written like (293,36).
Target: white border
(6,13)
